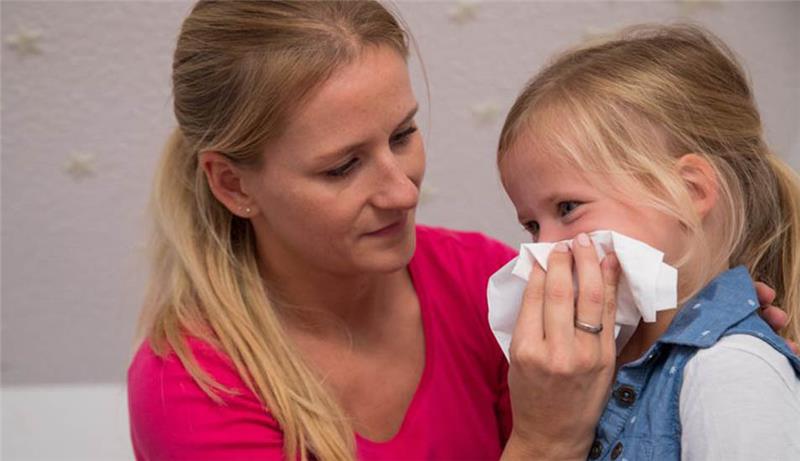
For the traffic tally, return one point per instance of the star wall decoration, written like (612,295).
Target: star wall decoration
(25,42)
(592,33)
(689,7)
(80,166)
(464,12)
(485,112)
(426,194)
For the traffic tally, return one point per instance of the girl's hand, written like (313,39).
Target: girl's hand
(560,376)
(775,317)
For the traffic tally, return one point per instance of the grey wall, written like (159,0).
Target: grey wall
(83,122)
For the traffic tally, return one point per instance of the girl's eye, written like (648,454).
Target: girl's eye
(565,208)
(402,137)
(343,170)
(533,228)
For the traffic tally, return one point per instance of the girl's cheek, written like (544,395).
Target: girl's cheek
(578,224)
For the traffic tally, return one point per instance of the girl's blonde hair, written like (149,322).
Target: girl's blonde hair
(629,107)
(239,70)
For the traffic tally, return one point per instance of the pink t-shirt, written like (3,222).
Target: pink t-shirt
(460,410)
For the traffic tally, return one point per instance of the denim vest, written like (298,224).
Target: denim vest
(642,420)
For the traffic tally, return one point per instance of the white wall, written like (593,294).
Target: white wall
(65,423)
(97,97)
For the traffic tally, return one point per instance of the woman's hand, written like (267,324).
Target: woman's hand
(775,317)
(560,376)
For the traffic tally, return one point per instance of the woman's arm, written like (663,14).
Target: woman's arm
(560,376)
(559,379)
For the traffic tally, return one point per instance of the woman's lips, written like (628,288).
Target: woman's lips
(391,229)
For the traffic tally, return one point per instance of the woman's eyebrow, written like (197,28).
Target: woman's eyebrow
(410,115)
(340,152)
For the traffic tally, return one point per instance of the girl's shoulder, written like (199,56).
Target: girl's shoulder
(740,399)
(740,361)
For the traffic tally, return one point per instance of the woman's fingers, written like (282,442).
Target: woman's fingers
(610,269)
(564,373)
(559,296)
(776,318)
(765,293)
(530,321)
(589,309)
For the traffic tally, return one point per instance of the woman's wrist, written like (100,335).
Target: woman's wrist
(522,447)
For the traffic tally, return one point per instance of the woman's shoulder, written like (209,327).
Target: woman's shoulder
(454,264)
(147,364)
(464,245)
(172,417)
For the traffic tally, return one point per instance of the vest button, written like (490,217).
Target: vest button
(596,451)
(616,451)
(625,395)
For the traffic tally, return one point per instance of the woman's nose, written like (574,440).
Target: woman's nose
(395,188)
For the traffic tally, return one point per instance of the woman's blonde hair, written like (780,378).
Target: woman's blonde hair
(239,69)
(630,107)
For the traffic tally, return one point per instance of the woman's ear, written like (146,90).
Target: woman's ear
(227,184)
(701,179)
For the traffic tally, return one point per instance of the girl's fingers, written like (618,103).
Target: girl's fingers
(559,308)
(591,291)
(530,321)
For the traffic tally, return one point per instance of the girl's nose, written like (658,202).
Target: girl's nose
(551,233)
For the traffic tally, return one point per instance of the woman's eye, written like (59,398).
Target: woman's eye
(402,137)
(565,208)
(343,170)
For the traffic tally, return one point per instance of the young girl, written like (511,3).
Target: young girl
(656,135)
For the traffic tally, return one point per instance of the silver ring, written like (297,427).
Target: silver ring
(587,327)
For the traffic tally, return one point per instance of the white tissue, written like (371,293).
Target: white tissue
(647,284)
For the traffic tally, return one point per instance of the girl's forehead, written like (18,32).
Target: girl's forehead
(533,172)
(533,151)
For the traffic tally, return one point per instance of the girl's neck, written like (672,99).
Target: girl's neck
(691,277)
(644,337)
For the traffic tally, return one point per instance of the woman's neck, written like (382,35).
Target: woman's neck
(324,304)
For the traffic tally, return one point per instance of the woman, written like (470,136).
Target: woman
(294,302)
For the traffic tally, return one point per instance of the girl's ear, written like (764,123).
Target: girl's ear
(227,184)
(701,180)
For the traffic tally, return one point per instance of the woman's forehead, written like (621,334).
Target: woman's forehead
(364,99)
